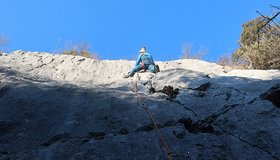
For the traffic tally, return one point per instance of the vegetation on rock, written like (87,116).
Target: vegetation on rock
(79,49)
(259,45)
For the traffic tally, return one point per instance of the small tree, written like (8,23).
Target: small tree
(84,50)
(79,49)
(251,30)
(259,44)
(189,54)
(262,55)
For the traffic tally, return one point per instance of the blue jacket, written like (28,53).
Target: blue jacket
(145,58)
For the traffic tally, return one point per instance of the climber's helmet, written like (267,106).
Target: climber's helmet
(142,50)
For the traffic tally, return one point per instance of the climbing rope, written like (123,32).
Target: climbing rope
(162,140)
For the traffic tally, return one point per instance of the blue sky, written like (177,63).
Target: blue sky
(117,29)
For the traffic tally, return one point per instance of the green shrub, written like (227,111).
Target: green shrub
(70,52)
(250,31)
(79,49)
(259,45)
(262,55)
(85,53)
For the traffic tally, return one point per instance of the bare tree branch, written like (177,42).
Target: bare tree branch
(272,6)
(269,19)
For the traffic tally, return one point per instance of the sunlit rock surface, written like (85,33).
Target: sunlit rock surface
(71,107)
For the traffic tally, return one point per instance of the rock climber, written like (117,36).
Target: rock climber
(144,62)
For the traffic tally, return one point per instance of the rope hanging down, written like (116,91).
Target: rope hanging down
(162,140)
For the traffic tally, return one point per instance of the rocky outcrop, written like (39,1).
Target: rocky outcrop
(273,95)
(66,107)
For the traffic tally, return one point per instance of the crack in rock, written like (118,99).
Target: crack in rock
(148,128)
(52,60)
(206,125)
(57,138)
(202,87)
(181,104)
(6,127)
(82,59)
(42,65)
(67,137)
(179,135)
(93,135)
(273,95)
(227,95)
(4,154)
(198,127)
(96,135)
(123,131)
(4,90)
(252,145)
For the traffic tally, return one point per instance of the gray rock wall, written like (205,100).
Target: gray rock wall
(65,107)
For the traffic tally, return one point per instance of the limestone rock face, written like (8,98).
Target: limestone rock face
(71,107)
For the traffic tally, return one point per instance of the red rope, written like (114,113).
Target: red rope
(165,146)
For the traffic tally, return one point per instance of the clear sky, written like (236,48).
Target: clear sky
(117,29)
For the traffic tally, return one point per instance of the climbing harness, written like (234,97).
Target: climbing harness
(168,152)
